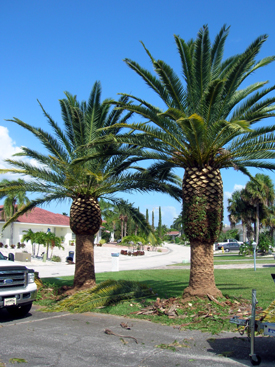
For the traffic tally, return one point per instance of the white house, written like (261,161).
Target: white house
(39,220)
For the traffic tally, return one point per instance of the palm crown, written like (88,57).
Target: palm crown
(209,118)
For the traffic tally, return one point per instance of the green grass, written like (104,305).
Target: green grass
(170,283)
(224,259)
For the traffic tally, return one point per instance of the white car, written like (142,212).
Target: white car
(17,287)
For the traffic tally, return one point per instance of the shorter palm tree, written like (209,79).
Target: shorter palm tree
(83,164)
(15,200)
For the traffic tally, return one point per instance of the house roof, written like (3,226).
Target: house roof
(173,233)
(42,216)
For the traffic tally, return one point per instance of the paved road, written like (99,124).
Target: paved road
(70,340)
(103,261)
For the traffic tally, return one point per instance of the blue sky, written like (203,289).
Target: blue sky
(48,47)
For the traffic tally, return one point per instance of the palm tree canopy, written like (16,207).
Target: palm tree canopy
(210,117)
(71,169)
(15,196)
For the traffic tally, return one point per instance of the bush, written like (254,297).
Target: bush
(102,241)
(265,242)
(135,239)
(1,244)
(231,233)
(56,259)
(246,249)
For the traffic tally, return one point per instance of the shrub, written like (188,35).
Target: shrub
(265,242)
(56,259)
(246,249)
(1,244)
(132,238)
(6,246)
(102,241)
(12,246)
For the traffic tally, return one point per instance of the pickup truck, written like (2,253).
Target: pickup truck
(17,287)
(219,245)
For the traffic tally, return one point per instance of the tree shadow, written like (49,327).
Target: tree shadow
(238,348)
(6,317)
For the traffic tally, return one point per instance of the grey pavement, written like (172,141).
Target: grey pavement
(69,340)
(103,261)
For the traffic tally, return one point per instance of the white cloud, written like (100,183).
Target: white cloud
(227,195)
(7,149)
(238,187)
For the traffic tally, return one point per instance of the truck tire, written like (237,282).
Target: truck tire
(19,311)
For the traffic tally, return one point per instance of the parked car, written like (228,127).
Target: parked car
(230,246)
(118,241)
(17,287)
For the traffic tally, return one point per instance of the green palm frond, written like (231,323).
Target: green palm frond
(109,292)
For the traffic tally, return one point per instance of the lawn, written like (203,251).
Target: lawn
(168,284)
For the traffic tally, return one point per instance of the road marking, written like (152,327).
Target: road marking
(30,321)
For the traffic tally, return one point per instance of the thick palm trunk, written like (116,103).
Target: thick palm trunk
(84,275)
(202,281)
(85,221)
(202,217)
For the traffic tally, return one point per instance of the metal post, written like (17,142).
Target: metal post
(252,324)
(254,244)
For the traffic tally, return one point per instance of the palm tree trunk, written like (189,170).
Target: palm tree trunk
(12,227)
(122,227)
(202,217)
(244,231)
(257,223)
(202,280)
(84,275)
(125,226)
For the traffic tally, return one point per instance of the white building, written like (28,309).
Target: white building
(40,220)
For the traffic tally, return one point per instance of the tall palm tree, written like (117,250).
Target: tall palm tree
(259,191)
(207,126)
(14,201)
(239,210)
(71,170)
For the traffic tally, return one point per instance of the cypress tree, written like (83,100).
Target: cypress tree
(153,219)
(160,224)
(147,216)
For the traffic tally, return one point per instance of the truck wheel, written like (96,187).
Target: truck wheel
(19,311)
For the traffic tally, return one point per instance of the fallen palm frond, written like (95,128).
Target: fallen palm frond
(104,294)
(268,315)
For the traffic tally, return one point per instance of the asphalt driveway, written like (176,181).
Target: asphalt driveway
(70,340)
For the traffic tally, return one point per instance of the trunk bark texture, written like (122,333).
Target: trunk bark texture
(202,280)
(85,221)
(84,275)
(202,216)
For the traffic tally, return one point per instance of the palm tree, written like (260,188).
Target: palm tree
(207,126)
(14,201)
(71,170)
(30,236)
(259,191)
(239,210)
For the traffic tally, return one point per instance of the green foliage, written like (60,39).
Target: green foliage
(109,292)
(231,233)
(106,236)
(102,241)
(135,239)
(56,259)
(246,249)
(265,242)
